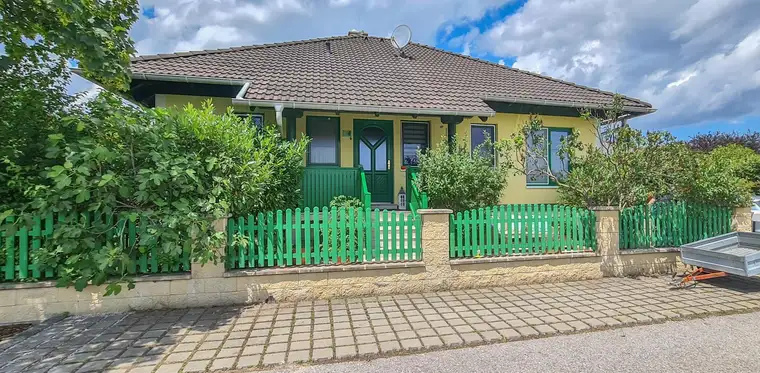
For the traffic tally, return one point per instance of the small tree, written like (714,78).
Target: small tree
(457,179)
(624,166)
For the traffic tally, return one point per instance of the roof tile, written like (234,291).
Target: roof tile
(368,71)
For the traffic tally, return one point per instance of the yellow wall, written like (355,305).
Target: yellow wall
(517,190)
(506,124)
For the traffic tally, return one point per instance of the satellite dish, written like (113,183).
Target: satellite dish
(401,36)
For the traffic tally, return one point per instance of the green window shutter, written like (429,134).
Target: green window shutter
(414,136)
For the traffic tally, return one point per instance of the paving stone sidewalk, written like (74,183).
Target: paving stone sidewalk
(209,339)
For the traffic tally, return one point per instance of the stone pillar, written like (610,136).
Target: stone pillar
(608,239)
(211,269)
(741,220)
(435,246)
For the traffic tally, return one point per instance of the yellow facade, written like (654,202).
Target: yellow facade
(506,124)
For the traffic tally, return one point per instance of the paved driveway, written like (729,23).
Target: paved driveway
(206,339)
(718,344)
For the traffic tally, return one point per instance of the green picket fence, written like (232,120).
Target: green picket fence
(521,230)
(671,224)
(21,238)
(317,237)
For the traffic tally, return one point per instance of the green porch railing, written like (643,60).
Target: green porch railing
(671,224)
(21,238)
(417,199)
(319,237)
(323,183)
(366,196)
(521,230)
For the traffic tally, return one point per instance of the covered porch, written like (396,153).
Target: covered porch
(370,157)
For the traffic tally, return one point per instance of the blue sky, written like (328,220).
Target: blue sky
(696,61)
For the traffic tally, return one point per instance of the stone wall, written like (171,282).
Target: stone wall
(210,285)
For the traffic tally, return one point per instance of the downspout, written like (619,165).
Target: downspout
(278,114)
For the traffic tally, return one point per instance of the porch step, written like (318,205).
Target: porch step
(384,206)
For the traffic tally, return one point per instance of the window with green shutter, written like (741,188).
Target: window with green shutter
(414,136)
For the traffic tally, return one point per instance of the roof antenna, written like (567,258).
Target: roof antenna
(329,48)
(400,38)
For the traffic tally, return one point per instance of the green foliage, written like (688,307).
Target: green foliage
(626,167)
(353,207)
(95,33)
(719,178)
(174,172)
(347,202)
(638,167)
(740,161)
(33,104)
(457,179)
(707,142)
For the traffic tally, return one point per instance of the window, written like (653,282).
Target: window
(256,119)
(414,136)
(479,134)
(323,131)
(542,142)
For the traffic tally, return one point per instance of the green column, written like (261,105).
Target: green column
(290,116)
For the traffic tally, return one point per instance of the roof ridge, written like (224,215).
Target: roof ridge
(535,74)
(160,56)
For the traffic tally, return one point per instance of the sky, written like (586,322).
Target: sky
(696,61)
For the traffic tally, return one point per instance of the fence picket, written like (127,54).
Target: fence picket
(360,236)
(521,229)
(669,224)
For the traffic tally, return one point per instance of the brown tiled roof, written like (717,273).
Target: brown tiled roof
(367,71)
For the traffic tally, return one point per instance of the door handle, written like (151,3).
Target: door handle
(389,164)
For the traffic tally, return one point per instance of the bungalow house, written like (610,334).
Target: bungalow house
(365,103)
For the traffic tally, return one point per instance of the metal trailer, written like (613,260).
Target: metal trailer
(735,253)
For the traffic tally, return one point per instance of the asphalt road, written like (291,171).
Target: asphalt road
(715,344)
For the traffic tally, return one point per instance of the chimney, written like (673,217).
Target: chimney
(354,32)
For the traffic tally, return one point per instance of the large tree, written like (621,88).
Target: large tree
(710,141)
(48,32)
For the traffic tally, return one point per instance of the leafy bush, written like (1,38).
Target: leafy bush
(353,207)
(719,178)
(626,167)
(740,161)
(638,167)
(457,179)
(173,172)
(346,202)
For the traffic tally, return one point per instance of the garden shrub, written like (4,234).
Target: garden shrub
(456,178)
(172,171)
(346,202)
(353,207)
(626,167)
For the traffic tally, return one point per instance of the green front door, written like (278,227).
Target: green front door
(373,150)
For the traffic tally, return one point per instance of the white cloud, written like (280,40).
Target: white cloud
(339,3)
(210,35)
(204,24)
(466,49)
(695,60)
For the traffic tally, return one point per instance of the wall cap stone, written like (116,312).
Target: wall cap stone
(322,269)
(523,258)
(27,285)
(51,284)
(650,250)
(163,277)
(604,208)
(434,211)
